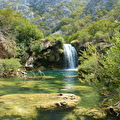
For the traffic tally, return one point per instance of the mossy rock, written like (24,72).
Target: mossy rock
(82,113)
(28,84)
(71,76)
(90,112)
(41,77)
(82,88)
(29,106)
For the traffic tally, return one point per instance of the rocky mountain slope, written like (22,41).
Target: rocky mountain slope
(6,46)
(45,5)
(31,6)
(47,12)
(94,6)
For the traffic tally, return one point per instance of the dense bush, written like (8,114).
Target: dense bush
(27,35)
(102,71)
(102,30)
(9,65)
(55,37)
(22,32)
(90,67)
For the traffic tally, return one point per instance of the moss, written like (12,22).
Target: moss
(60,51)
(71,76)
(82,88)
(81,113)
(28,84)
(28,106)
(79,88)
(89,112)
(2,93)
(70,116)
(41,77)
(5,84)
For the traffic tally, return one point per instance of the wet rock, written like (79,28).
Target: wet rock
(29,106)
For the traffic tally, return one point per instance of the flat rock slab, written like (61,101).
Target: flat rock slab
(29,105)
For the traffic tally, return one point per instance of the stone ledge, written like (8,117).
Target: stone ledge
(29,105)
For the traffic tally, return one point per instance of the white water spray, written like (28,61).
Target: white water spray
(70,56)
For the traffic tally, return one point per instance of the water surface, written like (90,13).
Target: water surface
(59,81)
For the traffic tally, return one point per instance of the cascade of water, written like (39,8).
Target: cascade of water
(70,56)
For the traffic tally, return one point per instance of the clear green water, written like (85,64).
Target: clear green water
(64,81)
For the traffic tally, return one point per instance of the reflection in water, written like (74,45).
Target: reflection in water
(61,81)
(70,79)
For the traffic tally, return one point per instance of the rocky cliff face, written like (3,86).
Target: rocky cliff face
(26,6)
(21,6)
(6,47)
(45,5)
(50,11)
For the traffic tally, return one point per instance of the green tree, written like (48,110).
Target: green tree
(66,29)
(21,31)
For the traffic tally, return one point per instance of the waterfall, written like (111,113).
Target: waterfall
(70,56)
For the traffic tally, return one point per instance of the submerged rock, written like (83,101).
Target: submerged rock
(81,113)
(82,88)
(41,77)
(29,106)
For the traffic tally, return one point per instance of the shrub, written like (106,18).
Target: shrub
(90,68)
(102,71)
(9,65)
(56,37)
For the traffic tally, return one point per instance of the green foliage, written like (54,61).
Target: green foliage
(99,35)
(22,32)
(84,36)
(28,32)
(66,29)
(56,37)
(5,15)
(100,30)
(27,36)
(36,46)
(77,5)
(105,26)
(63,22)
(9,65)
(112,65)
(66,21)
(90,66)
(102,71)
(9,20)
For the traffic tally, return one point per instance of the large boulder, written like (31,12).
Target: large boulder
(51,56)
(29,106)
